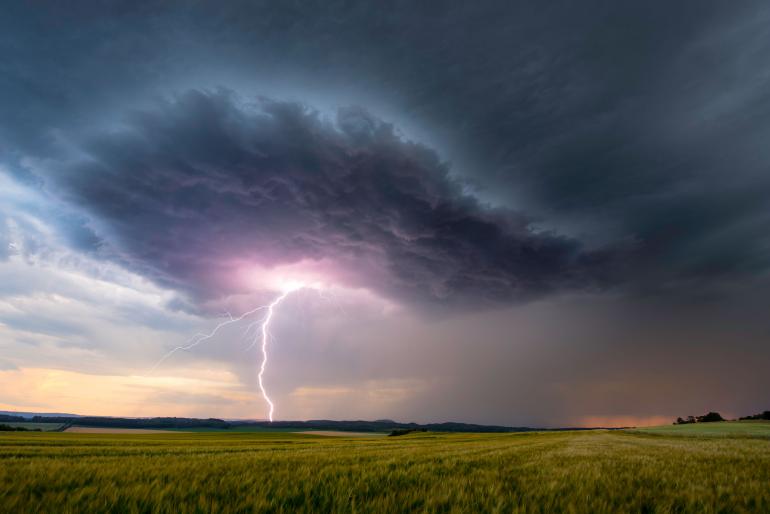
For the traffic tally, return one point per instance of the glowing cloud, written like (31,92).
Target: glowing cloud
(244,189)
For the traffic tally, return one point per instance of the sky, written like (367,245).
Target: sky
(520,213)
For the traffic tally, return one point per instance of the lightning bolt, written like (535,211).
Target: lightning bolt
(263,336)
(199,338)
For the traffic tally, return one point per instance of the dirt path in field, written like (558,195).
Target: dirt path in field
(95,430)
(338,433)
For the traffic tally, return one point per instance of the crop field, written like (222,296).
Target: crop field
(575,472)
(722,429)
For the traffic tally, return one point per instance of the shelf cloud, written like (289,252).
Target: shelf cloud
(202,184)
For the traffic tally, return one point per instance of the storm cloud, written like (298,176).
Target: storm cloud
(203,184)
(613,124)
(579,190)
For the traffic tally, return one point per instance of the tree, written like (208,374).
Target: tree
(710,417)
(762,415)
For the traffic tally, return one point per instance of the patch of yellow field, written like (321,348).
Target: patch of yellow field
(581,472)
(339,433)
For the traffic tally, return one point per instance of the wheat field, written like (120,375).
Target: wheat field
(571,472)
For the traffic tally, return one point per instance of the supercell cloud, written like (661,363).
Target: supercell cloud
(561,208)
(196,189)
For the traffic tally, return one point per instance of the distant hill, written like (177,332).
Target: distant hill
(11,417)
(382,425)
(109,422)
(30,415)
(379,426)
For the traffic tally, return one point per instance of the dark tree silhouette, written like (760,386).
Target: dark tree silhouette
(762,415)
(706,418)
(710,417)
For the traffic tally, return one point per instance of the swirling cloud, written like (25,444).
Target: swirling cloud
(202,187)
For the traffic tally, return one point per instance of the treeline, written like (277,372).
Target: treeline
(349,426)
(95,421)
(378,426)
(706,418)
(405,431)
(762,415)
(381,425)
(715,416)
(9,428)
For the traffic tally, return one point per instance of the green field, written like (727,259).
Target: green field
(720,429)
(575,472)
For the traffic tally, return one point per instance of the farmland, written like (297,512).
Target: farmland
(585,471)
(724,429)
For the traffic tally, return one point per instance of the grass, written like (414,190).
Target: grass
(571,472)
(719,429)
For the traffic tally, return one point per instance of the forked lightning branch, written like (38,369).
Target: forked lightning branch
(261,337)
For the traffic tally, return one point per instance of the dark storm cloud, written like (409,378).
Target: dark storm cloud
(606,120)
(613,124)
(203,184)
